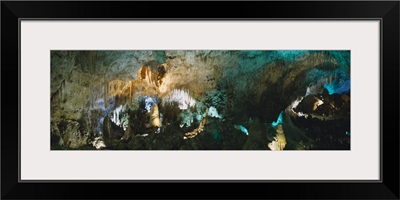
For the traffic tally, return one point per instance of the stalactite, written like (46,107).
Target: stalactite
(106,88)
(62,89)
(130,92)
(182,97)
(92,96)
(148,77)
(92,60)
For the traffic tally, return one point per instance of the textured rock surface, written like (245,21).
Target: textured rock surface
(88,86)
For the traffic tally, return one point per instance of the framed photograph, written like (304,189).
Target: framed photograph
(210,96)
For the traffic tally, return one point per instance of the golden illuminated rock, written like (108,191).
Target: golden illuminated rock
(155,116)
(280,140)
(317,103)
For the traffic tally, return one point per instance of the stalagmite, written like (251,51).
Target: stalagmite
(280,140)
(155,116)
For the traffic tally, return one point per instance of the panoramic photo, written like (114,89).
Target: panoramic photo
(200,100)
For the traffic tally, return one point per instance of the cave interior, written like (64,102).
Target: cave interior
(200,100)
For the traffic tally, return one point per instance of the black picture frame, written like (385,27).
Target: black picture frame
(386,11)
